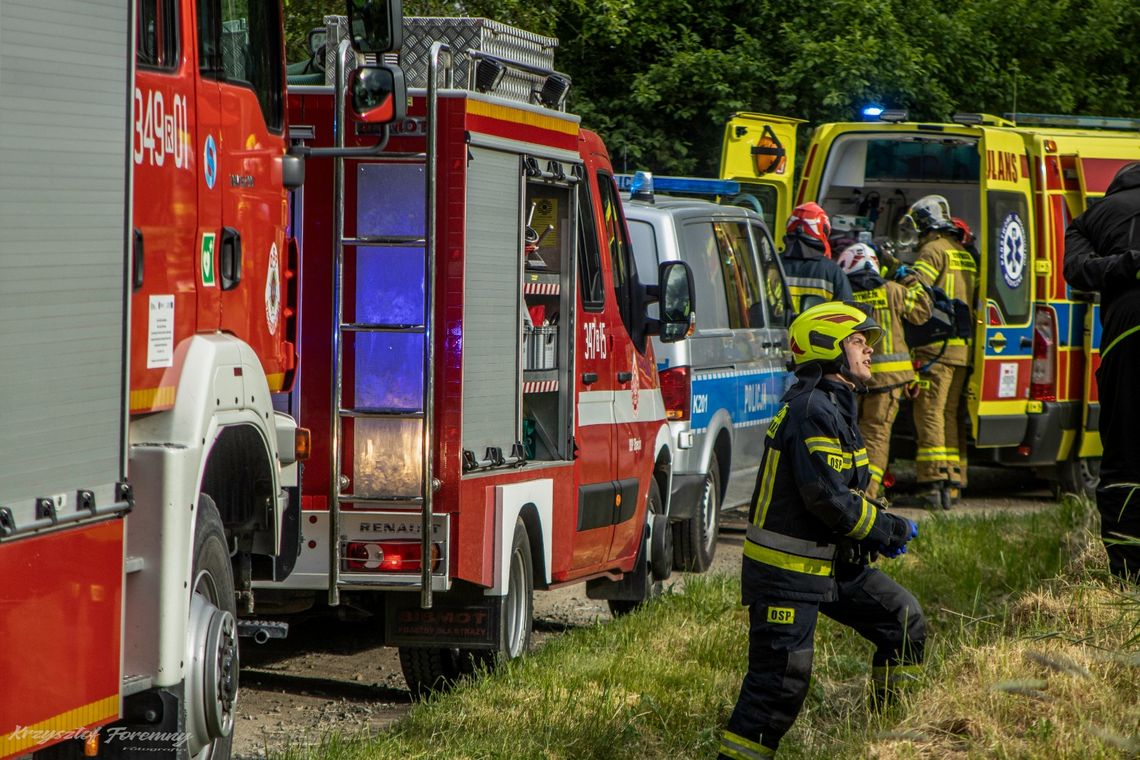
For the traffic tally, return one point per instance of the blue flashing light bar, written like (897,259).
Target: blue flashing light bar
(687,185)
(872,113)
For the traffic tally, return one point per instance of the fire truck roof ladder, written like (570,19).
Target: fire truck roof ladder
(342,374)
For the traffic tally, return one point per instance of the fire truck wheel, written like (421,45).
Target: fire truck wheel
(694,538)
(641,575)
(429,669)
(518,606)
(1079,476)
(211,641)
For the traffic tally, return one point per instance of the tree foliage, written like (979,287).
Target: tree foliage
(658,78)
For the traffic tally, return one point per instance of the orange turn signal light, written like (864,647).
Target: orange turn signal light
(302,444)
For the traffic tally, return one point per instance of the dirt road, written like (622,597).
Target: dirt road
(329,675)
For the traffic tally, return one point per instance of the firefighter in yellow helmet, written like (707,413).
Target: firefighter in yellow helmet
(892,371)
(812,535)
(942,262)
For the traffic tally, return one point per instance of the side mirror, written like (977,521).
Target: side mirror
(675,296)
(376,26)
(378,93)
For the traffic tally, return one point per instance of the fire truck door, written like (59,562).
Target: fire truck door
(759,152)
(1003,342)
(207,148)
(634,377)
(166,178)
(250,247)
(594,434)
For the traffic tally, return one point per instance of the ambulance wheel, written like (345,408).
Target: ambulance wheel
(694,538)
(211,641)
(1078,475)
(641,576)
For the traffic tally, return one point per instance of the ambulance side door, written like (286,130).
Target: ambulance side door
(998,387)
(759,152)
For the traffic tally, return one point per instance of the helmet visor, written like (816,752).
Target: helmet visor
(907,232)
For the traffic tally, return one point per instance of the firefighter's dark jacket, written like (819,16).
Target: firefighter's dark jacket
(1100,254)
(810,273)
(807,501)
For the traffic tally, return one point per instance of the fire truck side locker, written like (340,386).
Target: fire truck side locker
(64,218)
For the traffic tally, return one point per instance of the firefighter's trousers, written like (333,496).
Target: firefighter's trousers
(877,412)
(781,647)
(941,453)
(1118,495)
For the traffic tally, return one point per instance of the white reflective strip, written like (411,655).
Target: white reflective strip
(610,407)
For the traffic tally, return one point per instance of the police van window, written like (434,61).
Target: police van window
(589,257)
(1009,271)
(772,279)
(700,250)
(620,261)
(240,42)
(157,34)
(741,282)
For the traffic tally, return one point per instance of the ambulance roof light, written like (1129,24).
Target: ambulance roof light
(1074,122)
(872,113)
(894,115)
(981,119)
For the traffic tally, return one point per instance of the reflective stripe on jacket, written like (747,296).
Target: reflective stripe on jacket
(891,303)
(804,502)
(943,264)
(810,275)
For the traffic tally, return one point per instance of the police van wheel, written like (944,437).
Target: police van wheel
(1078,475)
(212,642)
(641,576)
(694,538)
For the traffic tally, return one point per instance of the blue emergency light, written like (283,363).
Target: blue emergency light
(872,113)
(642,183)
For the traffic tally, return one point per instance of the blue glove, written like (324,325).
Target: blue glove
(896,549)
(903,271)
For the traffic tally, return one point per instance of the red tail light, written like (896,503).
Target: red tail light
(387,556)
(1043,378)
(676,392)
(993,316)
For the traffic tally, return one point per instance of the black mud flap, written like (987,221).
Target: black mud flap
(463,617)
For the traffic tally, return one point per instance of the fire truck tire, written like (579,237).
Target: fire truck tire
(642,576)
(211,641)
(694,538)
(1079,476)
(430,669)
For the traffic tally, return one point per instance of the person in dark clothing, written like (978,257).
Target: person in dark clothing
(812,534)
(1102,254)
(813,278)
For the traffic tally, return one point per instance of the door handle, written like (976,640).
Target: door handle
(996,342)
(589,378)
(230,268)
(624,377)
(138,261)
(1026,341)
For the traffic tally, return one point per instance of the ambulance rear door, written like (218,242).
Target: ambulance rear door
(759,152)
(998,389)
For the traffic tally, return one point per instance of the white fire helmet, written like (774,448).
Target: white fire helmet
(857,257)
(928,213)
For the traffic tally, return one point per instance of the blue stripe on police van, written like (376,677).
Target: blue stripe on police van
(751,397)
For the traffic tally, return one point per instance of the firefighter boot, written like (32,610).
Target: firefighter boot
(929,496)
(953,495)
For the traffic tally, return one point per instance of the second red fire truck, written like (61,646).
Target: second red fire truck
(475,363)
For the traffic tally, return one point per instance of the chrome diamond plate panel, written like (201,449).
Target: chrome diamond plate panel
(480,34)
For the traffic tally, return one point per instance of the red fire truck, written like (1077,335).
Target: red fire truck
(147,317)
(475,363)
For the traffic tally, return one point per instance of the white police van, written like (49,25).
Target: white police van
(722,384)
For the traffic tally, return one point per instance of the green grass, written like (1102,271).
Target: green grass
(661,683)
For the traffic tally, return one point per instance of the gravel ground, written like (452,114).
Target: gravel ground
(328,675)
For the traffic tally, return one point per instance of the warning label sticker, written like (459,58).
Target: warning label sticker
(160,332)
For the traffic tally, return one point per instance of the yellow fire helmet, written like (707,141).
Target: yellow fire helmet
(816,334)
